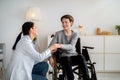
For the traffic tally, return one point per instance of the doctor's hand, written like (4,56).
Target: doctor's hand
(54,47)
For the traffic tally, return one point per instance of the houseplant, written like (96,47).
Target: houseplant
(117,27)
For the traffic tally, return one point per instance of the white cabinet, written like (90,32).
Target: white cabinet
(112,62)
(112,53)
(96,54)
(112,44)
(106,52)
(94,41)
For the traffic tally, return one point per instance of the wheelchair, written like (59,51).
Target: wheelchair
(57,70)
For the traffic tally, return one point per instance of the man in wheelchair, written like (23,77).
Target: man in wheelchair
(67,39)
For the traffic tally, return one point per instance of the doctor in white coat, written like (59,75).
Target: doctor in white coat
(25,55)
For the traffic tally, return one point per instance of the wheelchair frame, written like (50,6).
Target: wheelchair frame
(56,74)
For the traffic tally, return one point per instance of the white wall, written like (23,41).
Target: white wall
(89,13)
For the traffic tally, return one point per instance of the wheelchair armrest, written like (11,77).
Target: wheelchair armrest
(90,64)
(94,62)
(87,47)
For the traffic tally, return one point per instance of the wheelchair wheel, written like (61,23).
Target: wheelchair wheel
(93,73)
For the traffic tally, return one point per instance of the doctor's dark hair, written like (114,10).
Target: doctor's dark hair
(67,16)
(25,30)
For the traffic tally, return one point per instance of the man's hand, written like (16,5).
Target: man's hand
(51,61)
(54,47)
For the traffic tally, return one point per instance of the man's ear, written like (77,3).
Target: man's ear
(71,23)
(31,30)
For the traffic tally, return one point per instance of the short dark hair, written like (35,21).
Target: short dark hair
(67,16)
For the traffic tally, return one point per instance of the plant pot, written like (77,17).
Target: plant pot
(118,32)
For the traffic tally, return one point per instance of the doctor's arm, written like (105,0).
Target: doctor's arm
(30,51)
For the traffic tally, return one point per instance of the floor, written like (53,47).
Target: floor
(100,76)
(108,76)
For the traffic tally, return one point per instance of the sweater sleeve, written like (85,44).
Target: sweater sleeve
(72,43)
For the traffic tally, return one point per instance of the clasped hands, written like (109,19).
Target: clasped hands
(54,47)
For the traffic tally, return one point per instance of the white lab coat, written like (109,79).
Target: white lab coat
(23,59)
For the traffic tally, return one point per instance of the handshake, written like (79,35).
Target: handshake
(54,47)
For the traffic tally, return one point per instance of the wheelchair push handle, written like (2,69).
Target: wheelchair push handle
(86,47)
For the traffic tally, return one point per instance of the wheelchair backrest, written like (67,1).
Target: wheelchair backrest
(85,54)
(78,46)
(84,51)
